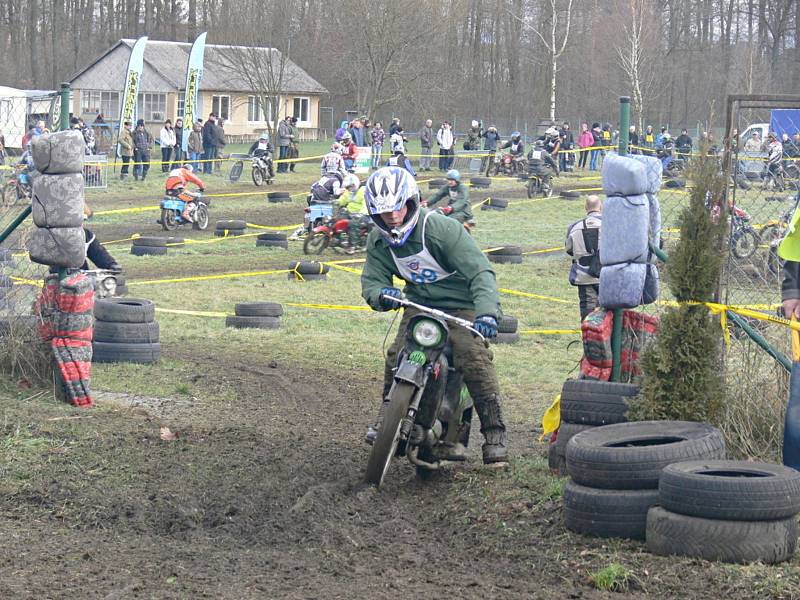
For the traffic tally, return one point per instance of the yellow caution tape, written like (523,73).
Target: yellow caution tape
(535,296)
(194,313)
(329,306)
(24,281)
(549,331)
(543,250)
(210,277)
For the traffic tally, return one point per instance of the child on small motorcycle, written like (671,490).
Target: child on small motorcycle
(176,187)
(353,205)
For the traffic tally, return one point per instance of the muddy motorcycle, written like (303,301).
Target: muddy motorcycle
(172,212)
(504,163)
(332,233)
(263,170)
(539,185)
(427,412)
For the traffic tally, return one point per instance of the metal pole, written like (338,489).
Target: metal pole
(616,332)
(15,223)
(64,93)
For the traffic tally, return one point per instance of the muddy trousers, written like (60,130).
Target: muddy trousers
(473,358)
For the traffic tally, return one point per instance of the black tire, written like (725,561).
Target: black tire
(126,333)
(491,207)
(307,276)
(480,182)
(507,324)
(730,489)
(274,237)
(201,218)
(675,183)
(570,194)
(148,250)
(671,534)
(228,232)
(124,310)
(566,431)
(631,456)
(607,513)
(752,175)
(258,309)
(501,202)
(309,267)
(437,183)
(279,197)
(530,188)
(744,243)
(315,243)
(258,177)
(508,251)
(591,402)
(150,241)
(112,352)
(556,461)
(504,259)
(272,244)
(231,224)
(505,338)
(385,445)
(175,242)
(252,322)
(122,290)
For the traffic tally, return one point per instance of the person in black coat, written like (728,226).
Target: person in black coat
(209,143)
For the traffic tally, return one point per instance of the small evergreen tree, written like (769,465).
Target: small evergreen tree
(682,369)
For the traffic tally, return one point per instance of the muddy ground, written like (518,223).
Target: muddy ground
(260,497)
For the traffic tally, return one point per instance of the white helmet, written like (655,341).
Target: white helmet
(551,132)
(264,136)
(475,123)
(351,180)
(347,137)
(389,189)
(337,147)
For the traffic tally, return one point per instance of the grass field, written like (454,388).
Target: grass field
(259,497)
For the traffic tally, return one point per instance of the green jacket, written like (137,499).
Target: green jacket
(458,198)
(472,286)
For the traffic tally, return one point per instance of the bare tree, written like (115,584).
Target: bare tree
(632,53)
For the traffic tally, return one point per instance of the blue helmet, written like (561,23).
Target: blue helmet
(454,175)
(387,190)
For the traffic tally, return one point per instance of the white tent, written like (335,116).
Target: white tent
(18,108)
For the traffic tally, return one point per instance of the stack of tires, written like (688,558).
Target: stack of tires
(157,246)
(506,330)
(570,195)
(495,204)
(272,240)
(279,197)
(125,330)
(725,510)
(480,183)
(229,228)
(615,470)
(6,283)
(585,404)
(436,183)
(307,270)
(506,255)
(255,315)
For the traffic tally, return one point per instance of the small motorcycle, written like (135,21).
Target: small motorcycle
(504,163)
(539,185)
(104,282)
(427,412)
(263,170)
(332,233)
(744,237)
(17,187)
(172,210)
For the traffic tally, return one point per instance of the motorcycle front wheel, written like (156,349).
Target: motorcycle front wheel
(385,445)
(258,177)
(169,219)
(531,188)
(200,218)
(315,243)
(744,243)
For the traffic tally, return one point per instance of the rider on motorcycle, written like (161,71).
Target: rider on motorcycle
(333,162)
(176,187)
(352,203)
(516,147)
(775,154)
(399,160)
(539,159)
(261,147)
(551,141)
(328,188)
(349,151)
(457,194)
(443,268)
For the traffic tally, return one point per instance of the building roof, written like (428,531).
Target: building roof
(165,69)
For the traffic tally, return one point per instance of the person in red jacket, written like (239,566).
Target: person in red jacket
(350,151)
(176,187)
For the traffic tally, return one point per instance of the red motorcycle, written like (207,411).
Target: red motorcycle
(16,188)
(332,232)
(504,163)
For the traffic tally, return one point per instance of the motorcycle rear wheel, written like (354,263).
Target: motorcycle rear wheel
(315,243)
(169,220)
(385,445)
(258,177)
(531,188)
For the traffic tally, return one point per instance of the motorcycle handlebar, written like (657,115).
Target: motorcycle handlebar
(437,313)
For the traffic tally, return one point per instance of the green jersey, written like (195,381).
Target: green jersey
(458,198)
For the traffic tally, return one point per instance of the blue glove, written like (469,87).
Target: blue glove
(388,303)
(486,325)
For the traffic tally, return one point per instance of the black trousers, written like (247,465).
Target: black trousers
(588,297)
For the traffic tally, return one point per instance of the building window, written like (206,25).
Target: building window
(301,109)
(103,103)
(221,106)
(152,107)
(256,112)
(181,104)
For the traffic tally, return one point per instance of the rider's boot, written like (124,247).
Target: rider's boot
(372,431)
(493,428)
(186,214)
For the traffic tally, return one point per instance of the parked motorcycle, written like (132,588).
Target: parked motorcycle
(172,211)
(504,163)
(427,412)
(263,170)
(744,237)
(17,187)
(332,233)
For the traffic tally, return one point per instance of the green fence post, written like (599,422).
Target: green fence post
(616,332)
(63,124)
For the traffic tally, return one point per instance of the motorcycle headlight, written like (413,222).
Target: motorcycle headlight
(427,333)
(110,285)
